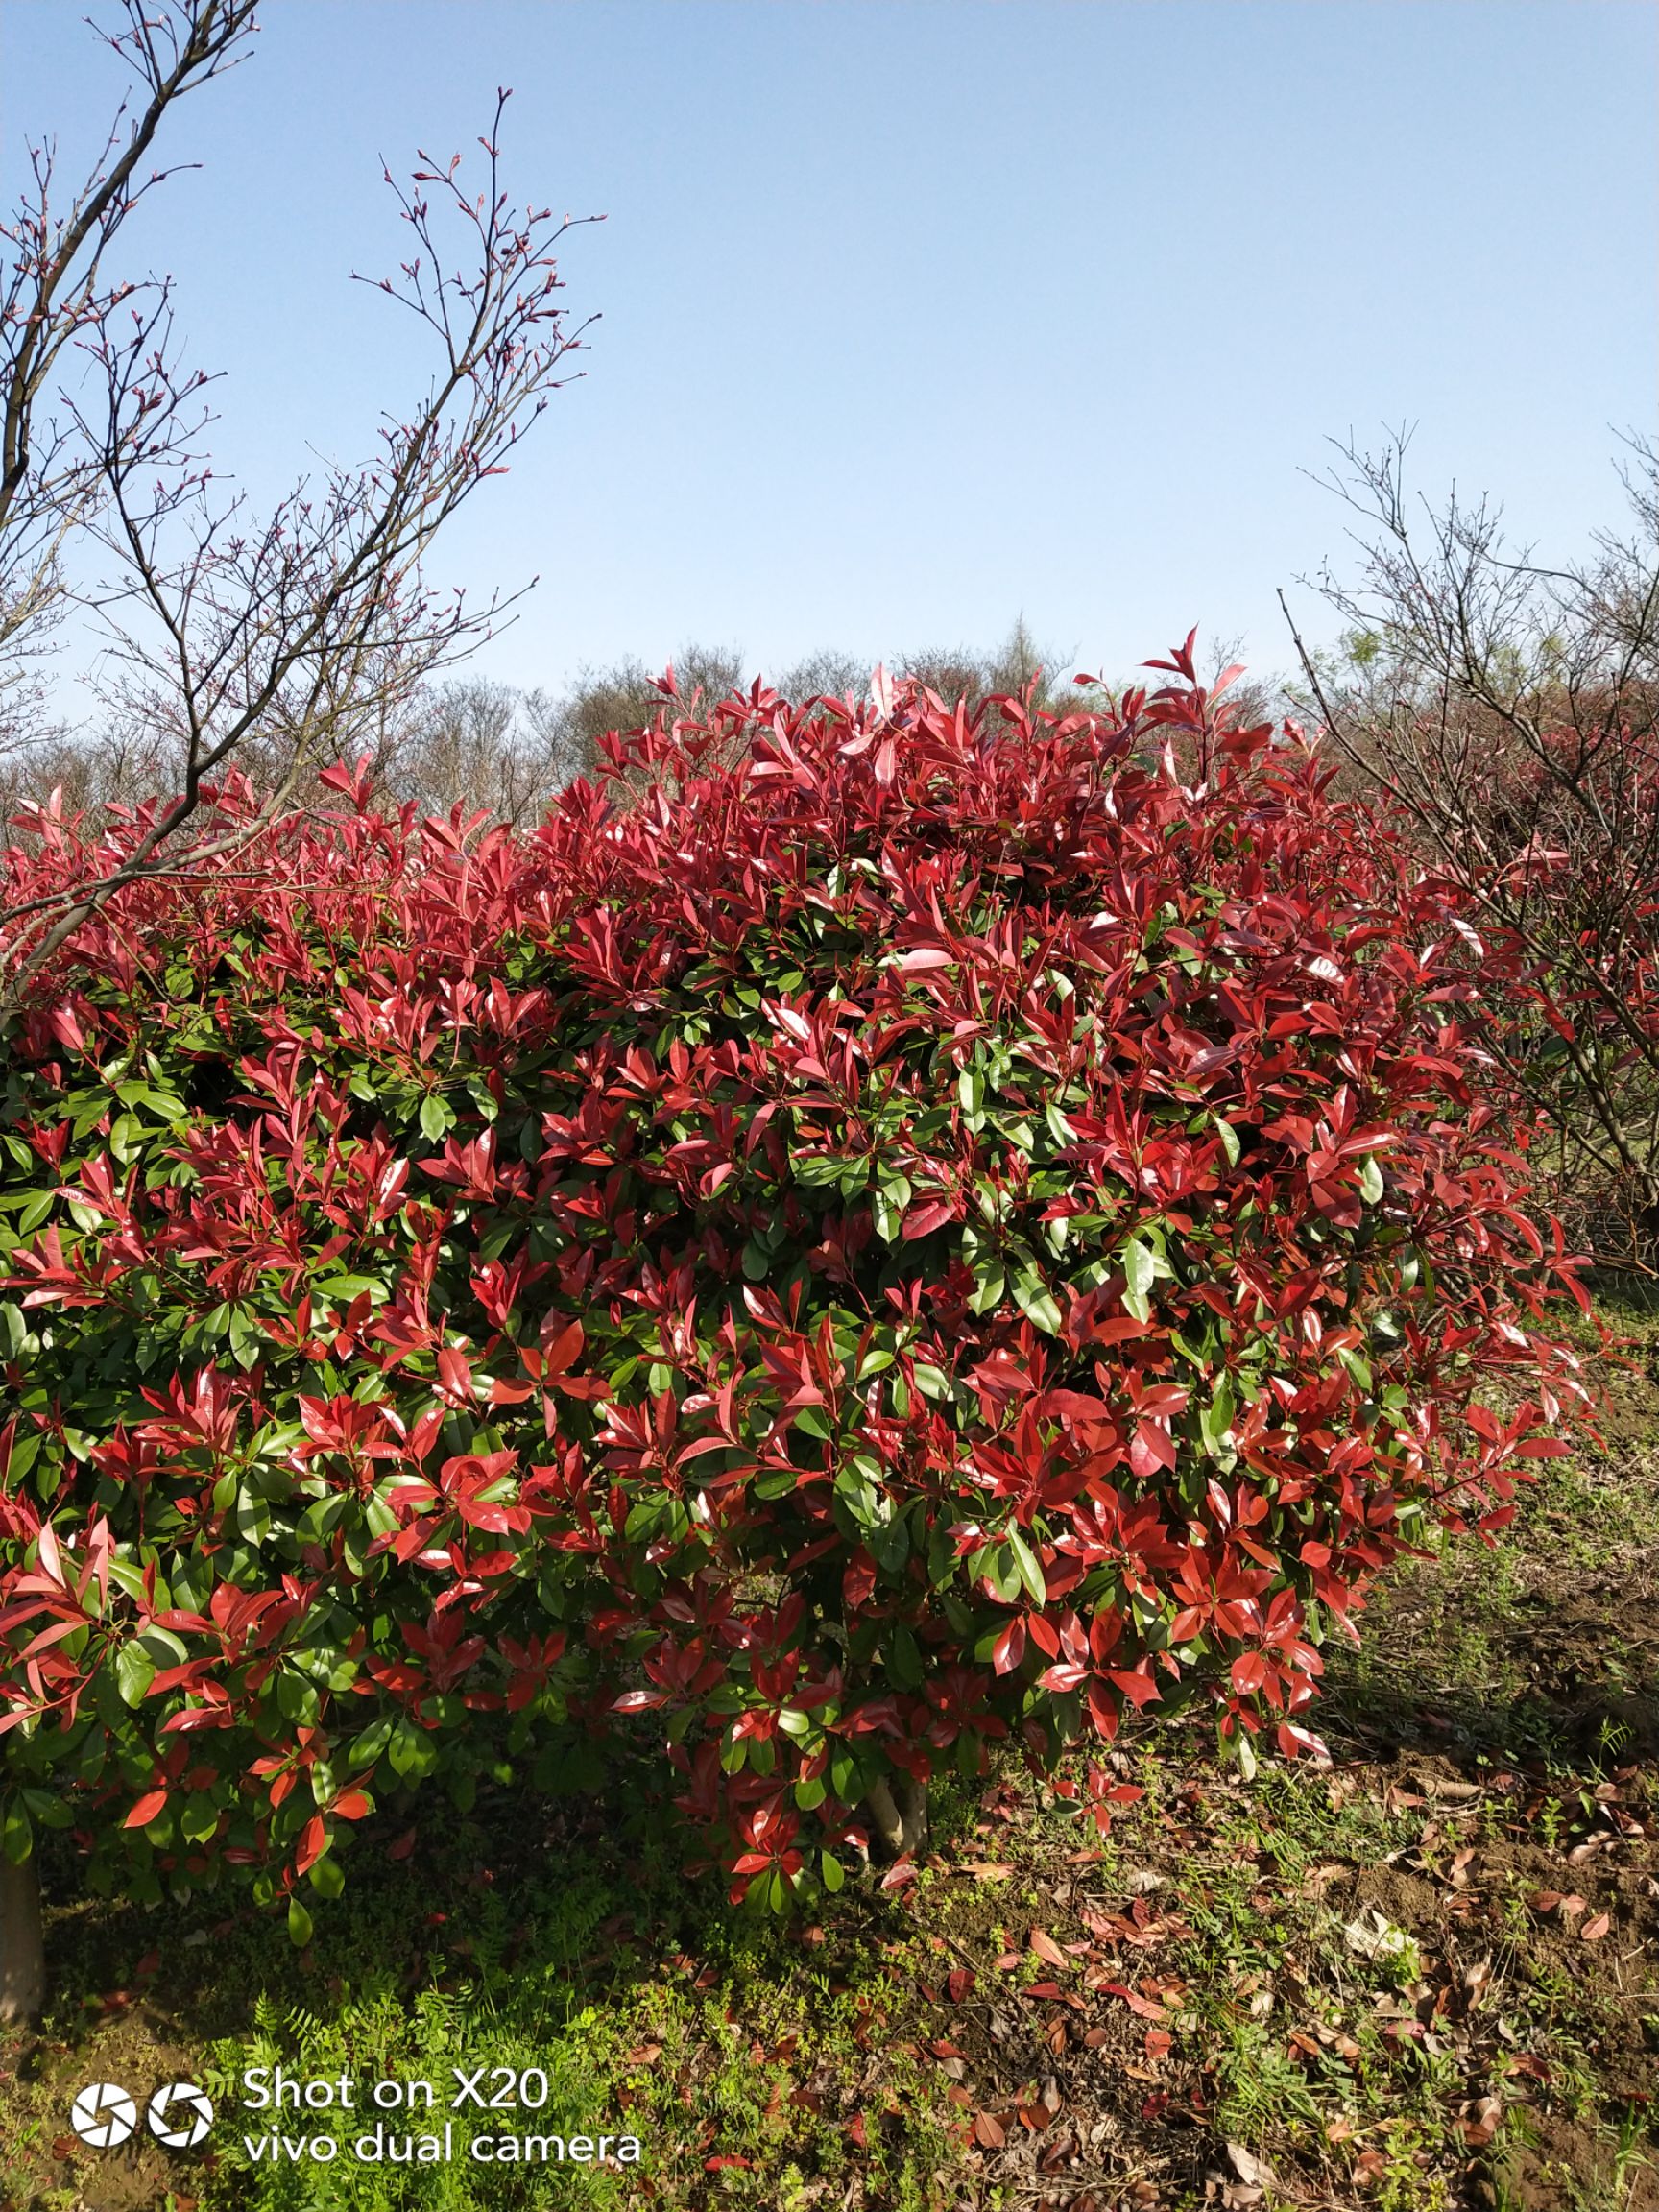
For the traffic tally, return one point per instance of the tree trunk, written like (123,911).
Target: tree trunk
(902,1823)
(913,1810)
(22,1952)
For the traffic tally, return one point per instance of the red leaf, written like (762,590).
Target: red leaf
(921,1220)
(1045,1948)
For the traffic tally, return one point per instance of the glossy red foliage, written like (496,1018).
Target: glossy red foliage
(930,1237)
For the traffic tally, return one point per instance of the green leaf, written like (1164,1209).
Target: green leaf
(164,1647)
(889,1545)
(757,1264)
(1030,1572)
(342,1287)
(858,1495)
(1371,1180)
(893,1195)
(1140,1266)
(368,1747)
(1037,1301)
(436,1118)
(1361,1370)
(327,1877)
(1000,1569)
(134,1671)
(198,1817)
(905,1659)
(35,1210)
(299,1924)
(834,1872)
(1215,1420)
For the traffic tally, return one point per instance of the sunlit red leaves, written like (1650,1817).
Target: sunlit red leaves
(856,1255)
(146,1807)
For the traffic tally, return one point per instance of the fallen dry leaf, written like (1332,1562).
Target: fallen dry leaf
(1255,2173)
(1373,1935)
(1482,2125)
(1476,1978)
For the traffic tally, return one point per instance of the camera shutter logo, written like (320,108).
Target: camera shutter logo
(180,2115)
(104,2115)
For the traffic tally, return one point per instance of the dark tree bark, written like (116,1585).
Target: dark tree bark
(22,1950)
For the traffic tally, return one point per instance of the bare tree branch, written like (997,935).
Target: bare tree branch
(1511,710)
(288,638)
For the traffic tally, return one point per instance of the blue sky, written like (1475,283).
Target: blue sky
(920,313)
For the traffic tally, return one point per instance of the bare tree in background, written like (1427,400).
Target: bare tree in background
(287,641)
(57,304)
(1509,709)
(827,674)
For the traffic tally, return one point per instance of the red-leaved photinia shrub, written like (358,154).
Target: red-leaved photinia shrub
(918,1241)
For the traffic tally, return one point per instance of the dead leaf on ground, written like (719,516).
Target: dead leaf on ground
(1482,2123)
(1255,2173)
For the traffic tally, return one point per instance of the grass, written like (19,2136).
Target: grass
(1385,1985)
